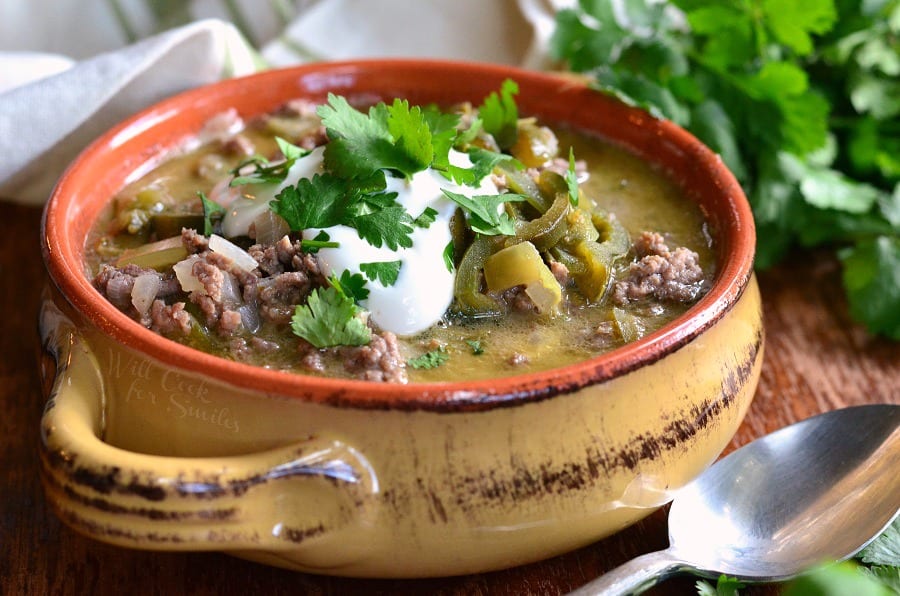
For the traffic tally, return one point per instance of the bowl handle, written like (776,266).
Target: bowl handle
(303,496)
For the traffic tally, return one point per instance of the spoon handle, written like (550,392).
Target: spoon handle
(634,576)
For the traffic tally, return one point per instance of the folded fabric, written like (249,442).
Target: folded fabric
(44,124)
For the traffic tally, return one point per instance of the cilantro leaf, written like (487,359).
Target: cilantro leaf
(351,285)
(379,219)
(263,171)
(427,218)
(317,202)
(395,138)
(386,272)
(500,115)
(871,278)
(884,550)
(725,586)
(211,210)
(483,163)
(448,254)
(477,348)
(485,216)
(329,318)
(432,359)
(443,134)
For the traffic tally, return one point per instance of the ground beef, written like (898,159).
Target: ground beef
(166,319)
(517,300)
(193,242)
(279,297)
(560,272)
(660,273)
(380,360)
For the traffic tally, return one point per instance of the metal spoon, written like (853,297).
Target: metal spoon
(816,491)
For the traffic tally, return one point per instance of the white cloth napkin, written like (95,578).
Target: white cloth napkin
(45,123)
(52,106)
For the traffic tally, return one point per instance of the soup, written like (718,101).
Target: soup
(401,243)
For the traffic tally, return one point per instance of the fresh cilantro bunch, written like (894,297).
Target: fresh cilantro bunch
(801,99)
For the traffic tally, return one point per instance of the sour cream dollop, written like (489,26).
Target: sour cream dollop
(424,287)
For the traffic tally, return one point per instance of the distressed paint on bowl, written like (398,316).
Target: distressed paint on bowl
(150,444)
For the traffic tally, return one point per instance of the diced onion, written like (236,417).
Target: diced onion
(241,257)
(144,291)
(231,290)
(270,227)
(184,271)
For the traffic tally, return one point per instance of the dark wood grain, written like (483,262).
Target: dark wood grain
(816,360)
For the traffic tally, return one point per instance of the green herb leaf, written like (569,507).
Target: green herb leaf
(837,579)
(448,253)
(321,240)
(725,586)
(351,285)
(211,211)
(428,360)
(317,202)
(395,138)
(379,219)
(385,272)
(483,163)
(872,281)
(328,319)
(264,171)
(477,348)
(500,114)
(427,218)
(485,217)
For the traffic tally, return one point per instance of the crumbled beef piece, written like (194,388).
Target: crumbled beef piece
(267,257)
(212,278)
(660,273)
(263,346)
(193,242)
(229,321)
(245,349)
(380,360)
(167,319)
(650,243)
(311,357)
(560,272)
(308,264)
(279,297)
(603,334)
(517,300)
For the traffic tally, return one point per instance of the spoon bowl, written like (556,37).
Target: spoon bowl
(818,490)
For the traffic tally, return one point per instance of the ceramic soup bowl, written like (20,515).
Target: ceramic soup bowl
(153,445)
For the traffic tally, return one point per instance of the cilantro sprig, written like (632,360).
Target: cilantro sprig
(330,318)
(430,359)
(258,169)
(801,98)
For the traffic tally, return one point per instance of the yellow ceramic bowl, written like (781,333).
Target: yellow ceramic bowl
(150,444)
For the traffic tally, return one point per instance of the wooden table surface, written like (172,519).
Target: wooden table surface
(816,360)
